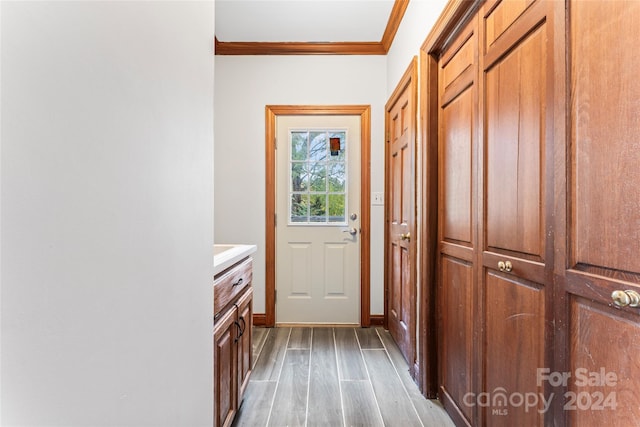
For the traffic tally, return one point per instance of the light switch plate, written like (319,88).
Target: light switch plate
(377,199)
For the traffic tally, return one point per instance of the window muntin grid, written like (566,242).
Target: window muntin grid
(317,177)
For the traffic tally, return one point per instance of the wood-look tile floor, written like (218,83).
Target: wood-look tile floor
(333,377)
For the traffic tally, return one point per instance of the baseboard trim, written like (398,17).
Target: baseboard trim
(377,319)
(259,319)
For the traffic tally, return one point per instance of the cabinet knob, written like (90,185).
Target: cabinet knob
(505,266)
(626,298)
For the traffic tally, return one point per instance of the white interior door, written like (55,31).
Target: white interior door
(318,219)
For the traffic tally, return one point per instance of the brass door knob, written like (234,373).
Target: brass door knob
(406,236)
(505,266)
(626,298)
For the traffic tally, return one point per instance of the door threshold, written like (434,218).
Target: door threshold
(315,324)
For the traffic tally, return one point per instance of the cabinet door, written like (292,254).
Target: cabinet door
(244,346)
(225,368)
(515,278)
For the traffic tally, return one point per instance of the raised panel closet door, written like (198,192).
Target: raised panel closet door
(401,152)
(603,204)
(458,302)
(516,280)
(400,159)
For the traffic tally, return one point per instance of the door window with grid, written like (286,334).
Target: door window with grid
(317,177)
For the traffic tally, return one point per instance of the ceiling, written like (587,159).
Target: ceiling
(277,27)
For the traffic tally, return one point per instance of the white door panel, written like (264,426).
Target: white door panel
(318,203)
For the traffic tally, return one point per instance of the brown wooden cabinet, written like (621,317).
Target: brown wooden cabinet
(538,278)
(233,300)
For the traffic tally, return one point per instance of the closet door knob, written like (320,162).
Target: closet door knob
(626,298)
(505,266)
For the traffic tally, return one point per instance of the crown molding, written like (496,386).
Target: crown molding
(299,48)
(395,18)
(334,48)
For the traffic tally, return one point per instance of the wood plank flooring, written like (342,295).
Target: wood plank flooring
(333,377)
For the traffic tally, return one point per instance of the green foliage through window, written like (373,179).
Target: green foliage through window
(318,177)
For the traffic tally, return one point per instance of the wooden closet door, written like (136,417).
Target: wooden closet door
(400,239)
(457,235)
(602,262)
(516,274)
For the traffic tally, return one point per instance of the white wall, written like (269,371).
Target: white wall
(244,86)
(106,206)
(414,29)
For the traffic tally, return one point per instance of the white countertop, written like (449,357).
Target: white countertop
(225,255)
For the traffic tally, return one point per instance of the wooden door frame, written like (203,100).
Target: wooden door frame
(455,14)
(408,79)
(427,319)
(271,114)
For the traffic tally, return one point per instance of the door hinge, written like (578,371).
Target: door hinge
(275,143)
(275,219)
(275,295)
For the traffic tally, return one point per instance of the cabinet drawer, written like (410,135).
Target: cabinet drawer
(230,283)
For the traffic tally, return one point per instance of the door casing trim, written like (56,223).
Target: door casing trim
(271,114)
